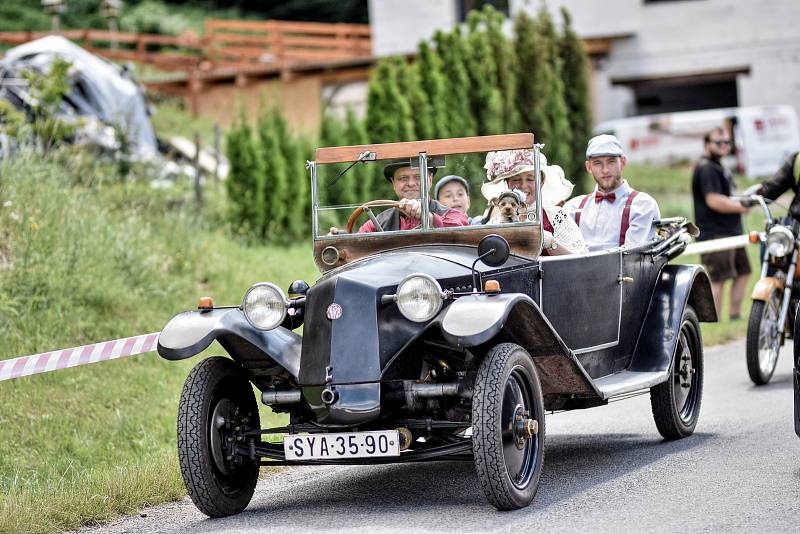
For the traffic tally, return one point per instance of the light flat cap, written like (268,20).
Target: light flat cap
(604,145)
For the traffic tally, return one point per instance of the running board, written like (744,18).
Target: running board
(628,381)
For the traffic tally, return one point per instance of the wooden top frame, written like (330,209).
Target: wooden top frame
(433,147)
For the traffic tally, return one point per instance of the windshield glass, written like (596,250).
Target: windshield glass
(389,195)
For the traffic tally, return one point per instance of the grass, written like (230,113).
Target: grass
(90,260)
(672,189)
(170,119)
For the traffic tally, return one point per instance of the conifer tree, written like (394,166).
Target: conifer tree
(530,82)
(367,176)
(434,85)
(299,207)
(485,97)
(504,61)
(245,183)
(410,85)
(276,186)
(331,133)
(450,48)
(559,149)
(575,73)
(388,111)
(540,90)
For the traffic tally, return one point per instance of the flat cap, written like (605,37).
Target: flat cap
(604,145)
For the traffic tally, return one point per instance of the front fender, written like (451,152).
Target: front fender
(678,285)
(764,288)
(476,319)
(191,332)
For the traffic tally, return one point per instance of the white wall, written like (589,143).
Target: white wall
(399,25)
(683,37)
(692,37)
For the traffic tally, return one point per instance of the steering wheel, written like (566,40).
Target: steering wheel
(365,207)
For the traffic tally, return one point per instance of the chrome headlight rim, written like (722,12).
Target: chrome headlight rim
(779,241)
(437,292)
(279,297)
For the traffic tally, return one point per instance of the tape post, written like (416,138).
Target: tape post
(76,356)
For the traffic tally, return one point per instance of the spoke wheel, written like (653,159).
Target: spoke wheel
(764,338)
(508,427)
(217,405)
(676,402)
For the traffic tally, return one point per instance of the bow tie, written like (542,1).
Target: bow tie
(599,197)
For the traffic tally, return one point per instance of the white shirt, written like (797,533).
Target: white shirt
(601,221)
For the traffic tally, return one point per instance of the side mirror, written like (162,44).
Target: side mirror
(297,288)
(493,250)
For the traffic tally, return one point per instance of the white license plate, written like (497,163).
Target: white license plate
(343,445)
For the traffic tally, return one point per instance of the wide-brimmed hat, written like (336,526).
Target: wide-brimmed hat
(444,180)
(502,165)
(392,166)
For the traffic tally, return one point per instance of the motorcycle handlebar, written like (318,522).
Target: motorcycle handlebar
(758,199)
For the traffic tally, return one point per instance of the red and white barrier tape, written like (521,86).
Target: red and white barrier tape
(62,359)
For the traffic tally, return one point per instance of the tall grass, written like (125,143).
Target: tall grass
(89,263)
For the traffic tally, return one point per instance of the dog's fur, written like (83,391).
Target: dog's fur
(506,208)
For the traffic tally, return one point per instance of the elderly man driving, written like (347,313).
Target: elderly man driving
(406,181)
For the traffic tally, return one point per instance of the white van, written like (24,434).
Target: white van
(763,136)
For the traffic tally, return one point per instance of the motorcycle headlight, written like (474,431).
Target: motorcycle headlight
(419,297)
(264,306)
(779,241)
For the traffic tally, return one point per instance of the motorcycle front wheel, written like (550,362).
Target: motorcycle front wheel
(764,338)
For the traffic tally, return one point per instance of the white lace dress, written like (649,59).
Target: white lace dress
(565,231)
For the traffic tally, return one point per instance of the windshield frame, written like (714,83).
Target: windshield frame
(423,150)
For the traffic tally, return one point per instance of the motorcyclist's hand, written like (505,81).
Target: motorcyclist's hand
(411,208)
(754,189)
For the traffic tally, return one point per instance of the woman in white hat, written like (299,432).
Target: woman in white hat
(514,170)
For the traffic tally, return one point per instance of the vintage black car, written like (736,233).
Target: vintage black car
(435,344)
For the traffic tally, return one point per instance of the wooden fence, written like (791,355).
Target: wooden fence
(225,43)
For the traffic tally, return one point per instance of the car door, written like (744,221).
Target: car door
(581,296)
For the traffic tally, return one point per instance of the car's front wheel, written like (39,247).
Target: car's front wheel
(508,428)
(676,402)
(217,405)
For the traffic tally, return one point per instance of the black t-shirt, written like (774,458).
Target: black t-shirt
(711,177)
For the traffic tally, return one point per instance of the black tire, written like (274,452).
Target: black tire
(763,339)
(676,402)
(218,486)
(508,464)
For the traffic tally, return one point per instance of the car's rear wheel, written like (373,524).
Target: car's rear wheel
(764,338)
(508,428)
(217,405)
(676,402)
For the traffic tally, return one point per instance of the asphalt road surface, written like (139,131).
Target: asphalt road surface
(606,470)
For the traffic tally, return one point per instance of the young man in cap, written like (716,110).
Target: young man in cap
(614,214)
(717,215)
(406,183)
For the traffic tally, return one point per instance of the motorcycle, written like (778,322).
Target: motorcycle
(775,295)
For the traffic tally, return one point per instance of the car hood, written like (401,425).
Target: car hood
(390,267)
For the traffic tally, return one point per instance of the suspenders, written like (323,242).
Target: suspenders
(626,214)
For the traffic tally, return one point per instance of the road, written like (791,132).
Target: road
(606,470)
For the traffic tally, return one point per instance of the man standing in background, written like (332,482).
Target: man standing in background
(717,215)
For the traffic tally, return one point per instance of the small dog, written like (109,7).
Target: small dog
(506,207)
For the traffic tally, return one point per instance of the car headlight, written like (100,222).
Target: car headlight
(264,306)
(779,241)
(419,297)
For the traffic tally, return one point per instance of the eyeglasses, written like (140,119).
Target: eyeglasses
(721,142)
